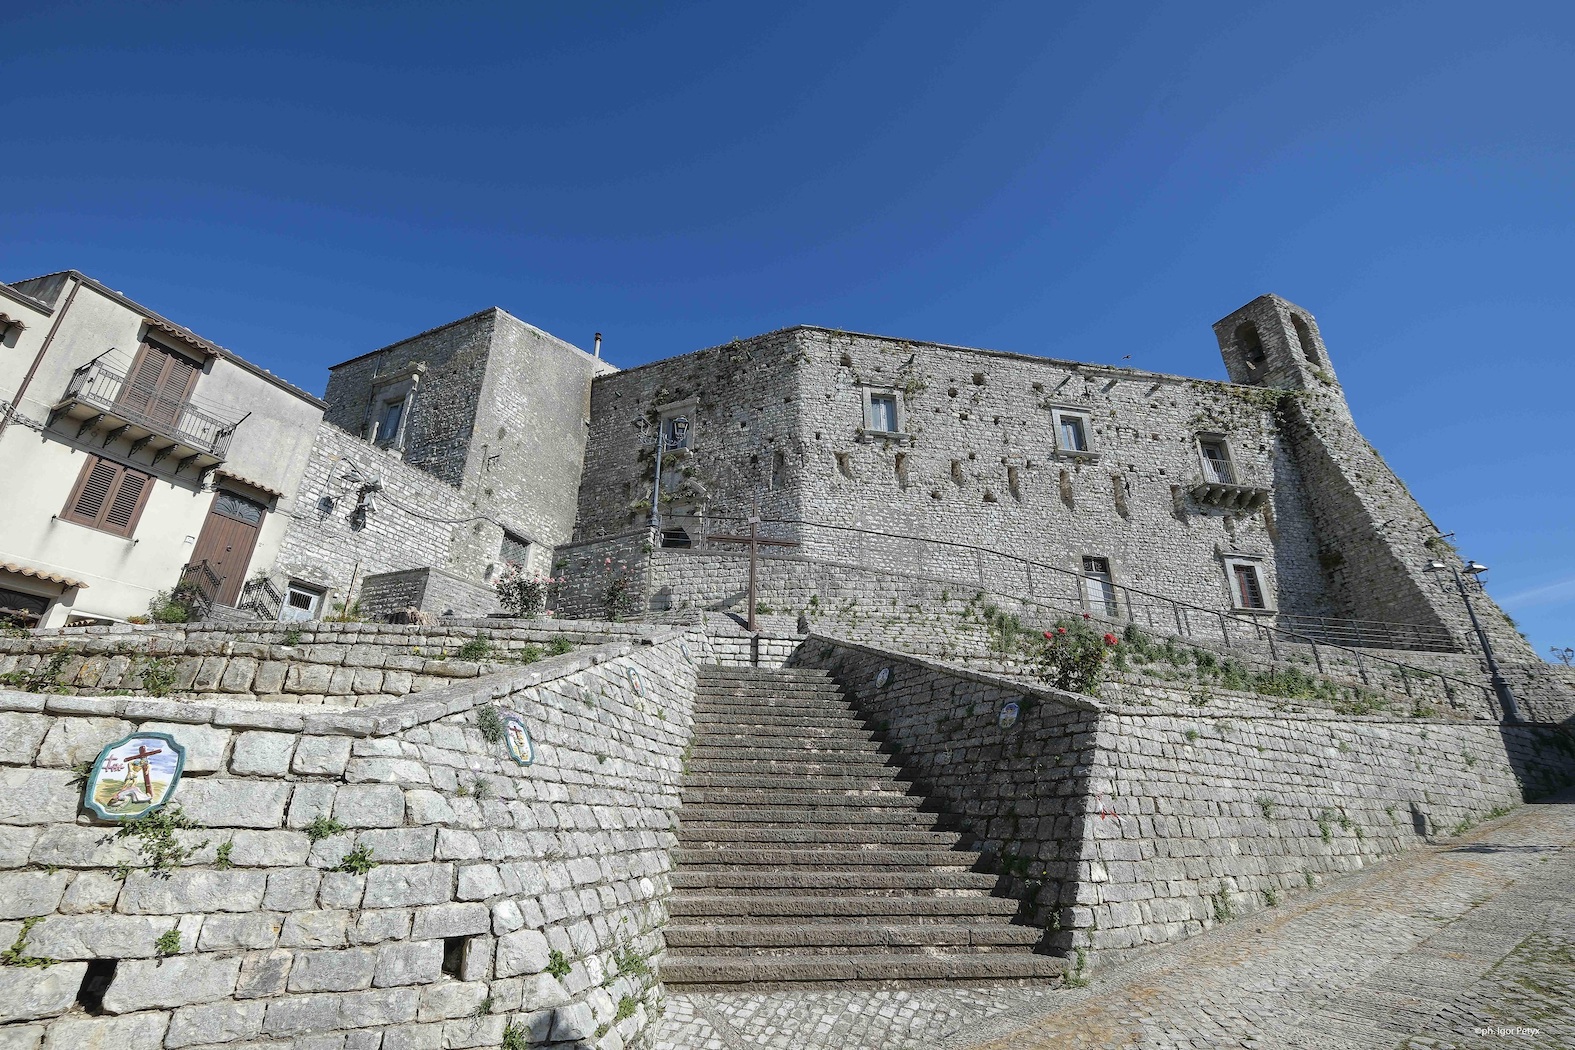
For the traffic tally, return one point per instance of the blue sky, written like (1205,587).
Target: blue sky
(303,184)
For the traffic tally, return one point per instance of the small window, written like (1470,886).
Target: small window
(454,955)
(1072,433)
(1250,342)
(108,497)
(238,508)
(883,413)
(20,609)
(301,603)
(1101,587)
(392,415)
(1217,468)
(1248,586)
(676,537)
(515,550)
(1305,338)
(676,430)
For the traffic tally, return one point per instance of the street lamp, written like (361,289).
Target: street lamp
(1506,696)
(678,426)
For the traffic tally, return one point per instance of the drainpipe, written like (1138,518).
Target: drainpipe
(38,359)
(598,344)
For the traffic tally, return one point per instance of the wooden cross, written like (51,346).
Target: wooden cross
(755,541)
(144,754)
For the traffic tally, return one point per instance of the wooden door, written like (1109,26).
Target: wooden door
(158,385)
(227,540)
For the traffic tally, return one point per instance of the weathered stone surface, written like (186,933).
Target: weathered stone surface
(20,735)
(384,924)
(315,929)
(69,845)
(506,916)
(573,1022)
(29,992)
(223,803)
(292,889)
(16,844)
(418,962)
(399,845)
(345,970)
(269,849)
(90,891)
(217,1023)
(321,756)
(26,893)
(204,745)
(21,1037)
(38,796)
(542,991)
(107,1033)
(263,974)
(74,740)
(449,999)
(96,936)
(522,952)
(142,984)
(255,930)
(370,806)
(193,890)
(400,885)
(450,920)
(259,753)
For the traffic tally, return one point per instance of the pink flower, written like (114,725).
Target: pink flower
(1060,630)
(1087,616)
(607,562)
(1050,636)
(1111,639)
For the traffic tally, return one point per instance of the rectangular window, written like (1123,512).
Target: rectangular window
(1101,588)
(108,497)
(515,549)
(675,430)
(1072,433)
(1216,461)
(883,413)
(301,603)
(1249,588)
(388,426)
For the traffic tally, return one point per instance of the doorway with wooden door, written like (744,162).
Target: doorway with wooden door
(158,385)
(227,540)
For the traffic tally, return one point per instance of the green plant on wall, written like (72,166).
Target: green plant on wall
(1072,656)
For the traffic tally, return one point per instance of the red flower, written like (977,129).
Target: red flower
(1060,630)
(1088,616)
(1049,636)
(1111,639)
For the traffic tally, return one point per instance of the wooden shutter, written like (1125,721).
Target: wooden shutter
(108,497)
(158,384)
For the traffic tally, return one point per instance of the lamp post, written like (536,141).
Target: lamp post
(1506,696)
(680,430)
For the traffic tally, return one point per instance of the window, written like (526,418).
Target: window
(158,385)
(676,429)
(108,497)
(1101,589)
(515,550)
(1305,338)
(1217,468)
(1072,433)
(1250,343)
(1247,591)
(230,505)
(883,413)
(393,414)
(22,610)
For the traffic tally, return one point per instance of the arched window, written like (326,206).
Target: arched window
(1304,336)
(1249,342)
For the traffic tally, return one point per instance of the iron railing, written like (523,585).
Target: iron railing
(261,597)
(198,588)
(101,387)
(1218,472)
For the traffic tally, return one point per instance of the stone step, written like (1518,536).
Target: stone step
(807,796)
(825,859)
(796,908)
(708,714)
(767,972)
(770,674)
(836,882)
(707,835)
(785,748)
(731,813)
(768,735)
(772,938)
(853,764)
(706,724)
(790,782)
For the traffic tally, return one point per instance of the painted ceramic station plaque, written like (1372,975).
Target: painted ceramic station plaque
(134,776)
(517,738)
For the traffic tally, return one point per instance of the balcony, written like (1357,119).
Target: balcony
(1221,486)
(99,399)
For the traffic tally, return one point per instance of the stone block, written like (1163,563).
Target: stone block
(269,849)
(259,753)
(572,1023)
(74,740)
(190,890)
(204,744)
(403,771)
(263,974)
(450,920)
(107,1033)
(292,889)
(506,916)
(474,1032)
(522,952)
(16,844)
(417,962)
(27,893)
(90,891)
(401,885)
(307,678)
(39,796)
(315,929)
(321,756)
(400,845)
(20,735)
(370,806)
(451,999)
(343,889)
(270,677)
(142,984)
(217,1023)
(27,992)
(542,991)
(224,803)
(346,970)
(96,936)
(309,802)
(384,924)
(21,1037)
(253,930)
(76,846)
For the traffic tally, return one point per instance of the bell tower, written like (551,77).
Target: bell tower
(1273,342)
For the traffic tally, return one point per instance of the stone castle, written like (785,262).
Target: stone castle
(401,821)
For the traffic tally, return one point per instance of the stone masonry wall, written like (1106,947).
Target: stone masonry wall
(1199,820)
(497,895)
(332,665)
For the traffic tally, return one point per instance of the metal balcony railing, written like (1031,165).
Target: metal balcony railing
(1218,472)
(109,396)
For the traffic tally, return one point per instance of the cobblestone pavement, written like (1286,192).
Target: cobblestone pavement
(1468,944)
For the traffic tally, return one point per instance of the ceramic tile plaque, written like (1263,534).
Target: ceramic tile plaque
(517,738)
(883,678)
(1009,714)
(636,681)
(134,776)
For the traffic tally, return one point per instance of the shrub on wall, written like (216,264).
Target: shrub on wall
(522,595)
(1072,656)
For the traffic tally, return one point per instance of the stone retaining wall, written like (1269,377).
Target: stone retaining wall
(499,895)
(329,664)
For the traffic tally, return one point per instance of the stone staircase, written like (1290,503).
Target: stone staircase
(803,860)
